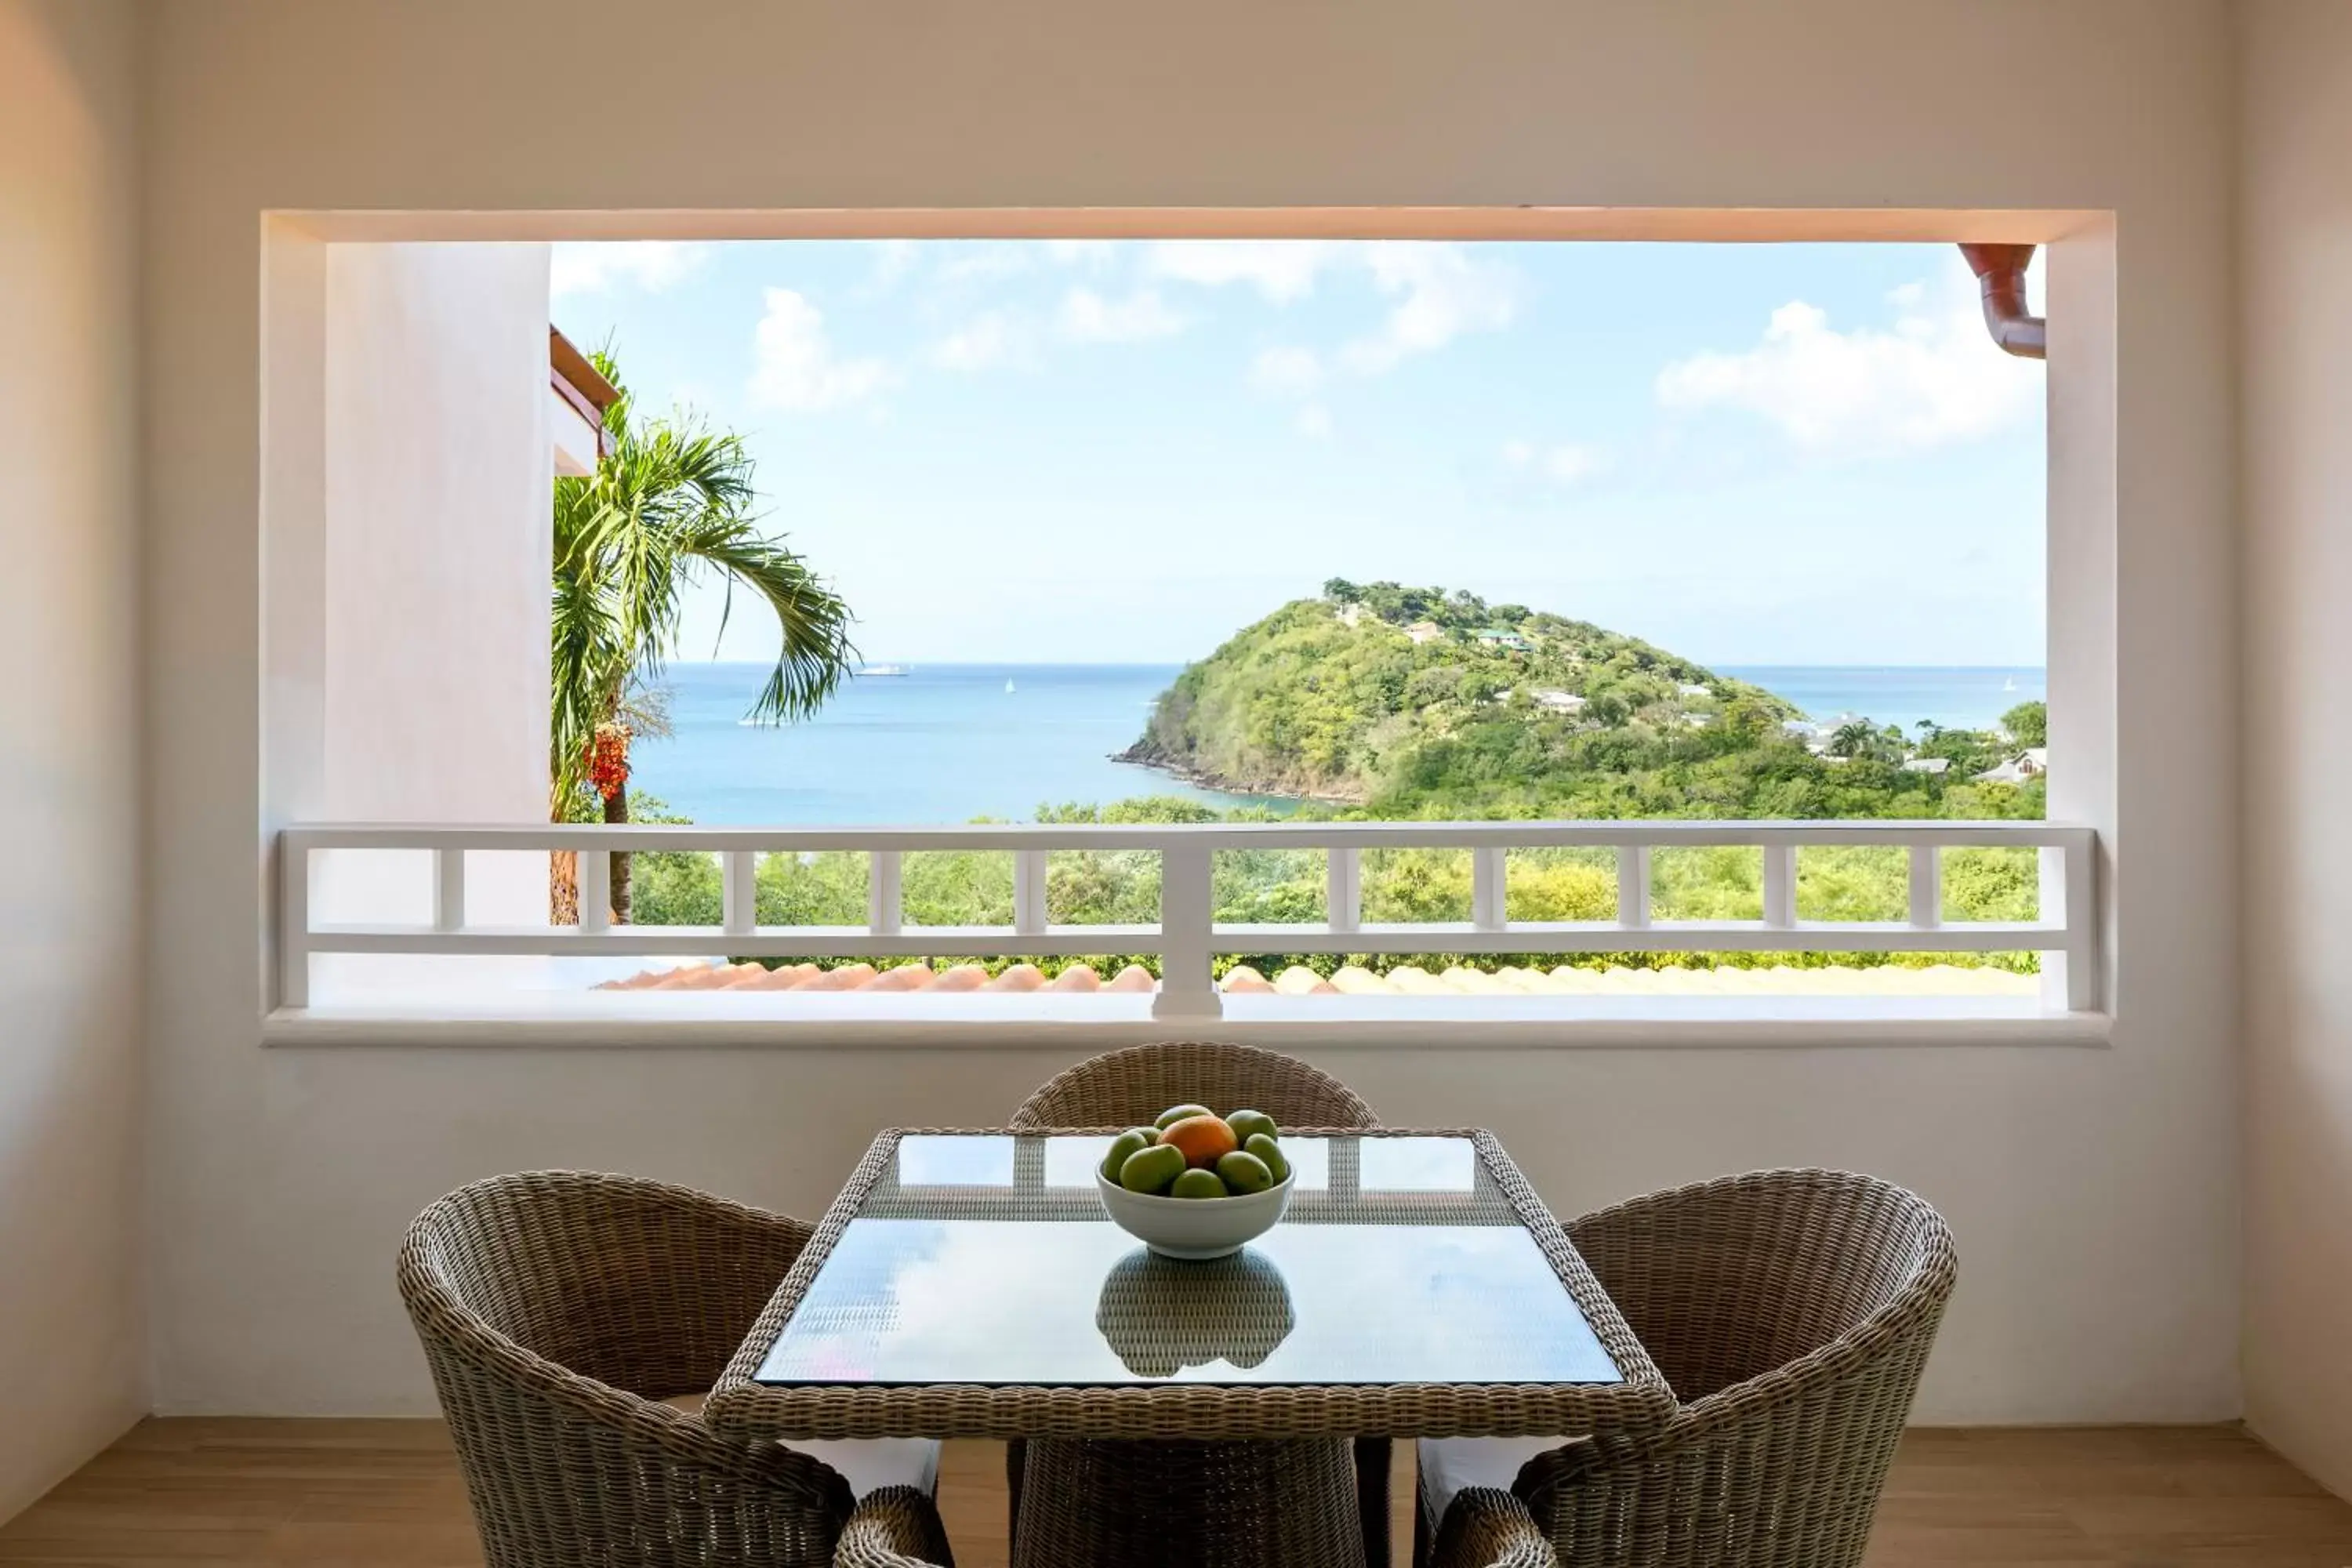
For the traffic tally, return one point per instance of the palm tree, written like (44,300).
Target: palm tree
(1855,738)
(672,501)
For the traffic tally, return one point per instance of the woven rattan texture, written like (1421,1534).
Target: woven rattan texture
(1122,1088)
(555,1307)
(1794,1312)
(1275,1504)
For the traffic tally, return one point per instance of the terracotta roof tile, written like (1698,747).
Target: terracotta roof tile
(1405,980)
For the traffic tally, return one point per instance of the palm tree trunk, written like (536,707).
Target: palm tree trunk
(616,810)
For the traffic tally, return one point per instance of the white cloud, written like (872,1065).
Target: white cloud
(893,260)
(1281,269)
(1080,252)
(1313,421)
(1287,371)
(991,339)
(595,267)
(987,263)
(1567,463)
(794,365)
(1441,292)
(1090,318)
(1933,378)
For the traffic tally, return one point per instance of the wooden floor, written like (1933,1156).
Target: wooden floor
(385,1494)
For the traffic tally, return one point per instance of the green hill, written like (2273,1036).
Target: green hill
(1418,702)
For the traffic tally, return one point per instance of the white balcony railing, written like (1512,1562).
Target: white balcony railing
(1187,937)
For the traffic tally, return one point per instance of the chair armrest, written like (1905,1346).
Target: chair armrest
(894,1527)
(1485,1528)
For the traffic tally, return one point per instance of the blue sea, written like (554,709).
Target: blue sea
(947,743)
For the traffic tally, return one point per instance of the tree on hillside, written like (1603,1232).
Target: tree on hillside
(2027,723)
(673,501)
(1855,738)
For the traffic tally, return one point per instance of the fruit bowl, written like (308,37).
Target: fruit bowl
(1195,1228)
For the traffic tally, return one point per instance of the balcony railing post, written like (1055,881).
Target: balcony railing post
(1343,901)
(1188,984)
(2070,975)
(594,878)
(739,890)
(1029,892)
(1489,872)
(885,897)
(1780,885)
(1927,885)
(448,889)
(293,923)
(1633,886)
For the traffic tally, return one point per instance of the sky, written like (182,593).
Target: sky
(1123,452)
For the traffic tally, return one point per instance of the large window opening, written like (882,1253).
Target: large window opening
(949,617)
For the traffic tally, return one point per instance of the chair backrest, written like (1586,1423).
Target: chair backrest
(1727,1280)
(1792,1313)
(550,1306)
(1124,1088)
(638,1285)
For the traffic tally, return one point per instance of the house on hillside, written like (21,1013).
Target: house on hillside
(2030,764)
(1689,689)
(1424,631)
(1351,615)
(1493,636)
(1553,701)
(1927,765)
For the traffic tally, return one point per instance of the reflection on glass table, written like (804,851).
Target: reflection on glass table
(987,1259)
(1161,1316)
(1053,1176)
(1416,1165)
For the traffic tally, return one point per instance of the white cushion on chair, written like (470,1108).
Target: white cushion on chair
(867,1464)
(1450,1463)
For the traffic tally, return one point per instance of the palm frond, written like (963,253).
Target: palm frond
(816,652)
(673,498)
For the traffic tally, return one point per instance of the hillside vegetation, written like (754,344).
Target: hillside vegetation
(1416,702)
(1383,703)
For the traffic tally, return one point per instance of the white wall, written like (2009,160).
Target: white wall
(2296,281)
(73,1353)
(2095,1192)
(438,467)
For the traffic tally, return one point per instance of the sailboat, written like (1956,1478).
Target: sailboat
(1008,686)
(2009,685)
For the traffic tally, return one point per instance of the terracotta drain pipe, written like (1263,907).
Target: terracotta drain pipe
(2000,268)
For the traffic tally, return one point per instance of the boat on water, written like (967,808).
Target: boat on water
(2009,685)
(868,671)
(1008,686)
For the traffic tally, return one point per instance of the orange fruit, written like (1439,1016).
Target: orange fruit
(1202,1140)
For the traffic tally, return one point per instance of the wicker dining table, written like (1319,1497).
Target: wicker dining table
(969,1284)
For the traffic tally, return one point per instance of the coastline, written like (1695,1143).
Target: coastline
(1143,755)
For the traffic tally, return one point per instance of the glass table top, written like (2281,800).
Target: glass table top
(989,1260)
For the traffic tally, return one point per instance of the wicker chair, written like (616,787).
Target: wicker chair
(1792,1311)
(1122,1088)
(1284,1501)
(556,1309)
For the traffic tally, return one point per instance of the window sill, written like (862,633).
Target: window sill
(609,1020)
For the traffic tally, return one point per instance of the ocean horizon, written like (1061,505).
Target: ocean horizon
(947,743)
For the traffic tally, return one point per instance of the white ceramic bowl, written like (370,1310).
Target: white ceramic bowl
(1195,1228)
